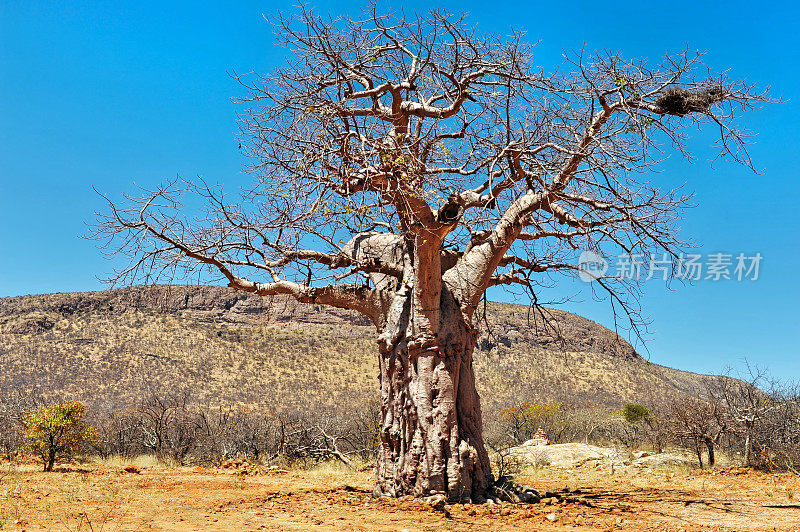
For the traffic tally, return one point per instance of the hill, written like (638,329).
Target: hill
(109,347)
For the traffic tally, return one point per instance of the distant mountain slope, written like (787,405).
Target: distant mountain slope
(107,347)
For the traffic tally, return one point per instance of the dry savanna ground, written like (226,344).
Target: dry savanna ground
(104,496)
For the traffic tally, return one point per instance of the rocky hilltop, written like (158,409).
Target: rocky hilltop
(220,345)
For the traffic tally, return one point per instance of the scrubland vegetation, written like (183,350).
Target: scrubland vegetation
(226,398)
(750,426)
(203,375)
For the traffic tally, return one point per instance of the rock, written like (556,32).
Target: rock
(662,460)
(562,455)
(31,323)
(437,502)
(575,455)
(530,490)
(540,438)
(551,517)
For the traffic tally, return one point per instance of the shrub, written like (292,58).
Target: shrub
(56,431)
(634,413)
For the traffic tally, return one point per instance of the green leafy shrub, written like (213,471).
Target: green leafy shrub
(634,413)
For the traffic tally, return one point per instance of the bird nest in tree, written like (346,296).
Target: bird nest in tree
(680,102)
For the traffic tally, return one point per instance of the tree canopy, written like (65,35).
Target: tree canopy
(382,127)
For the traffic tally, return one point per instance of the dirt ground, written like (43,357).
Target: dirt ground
(102,497)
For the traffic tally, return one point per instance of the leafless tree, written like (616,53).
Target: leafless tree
(746,401)
(167,426)
(701,423)
(13,407)
(119,433)
(776,436)
(405,164)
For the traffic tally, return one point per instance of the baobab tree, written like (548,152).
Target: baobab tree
(403,165)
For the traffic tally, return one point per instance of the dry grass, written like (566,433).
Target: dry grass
(141,461)
(101,496)
(101,350)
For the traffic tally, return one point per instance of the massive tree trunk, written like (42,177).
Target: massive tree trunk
(431,434)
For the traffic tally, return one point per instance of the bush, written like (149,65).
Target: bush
(56,431)
(506,465)
(634,413)
(13,407)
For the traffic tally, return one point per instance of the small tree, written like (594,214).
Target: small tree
(703,423)
(746,402)
(57,430)
(644,423)
(522,421)
(634,416)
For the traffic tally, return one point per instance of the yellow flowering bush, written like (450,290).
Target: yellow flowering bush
(57,431)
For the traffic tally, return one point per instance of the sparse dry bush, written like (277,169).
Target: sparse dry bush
(236,432)
(309,438)
(753,417)
(13,407)
(176,428)
(167,426)
(506,464)
(700,423)
(775,439)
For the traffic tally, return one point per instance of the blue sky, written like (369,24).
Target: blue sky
(112,93)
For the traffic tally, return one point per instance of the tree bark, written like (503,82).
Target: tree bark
(431,439)
(710,448)
(747,449)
